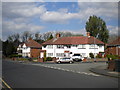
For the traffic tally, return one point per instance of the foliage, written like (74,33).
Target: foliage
(91,55)
(99,56)
(51,36)
(44,56)
(97,28)
(8,48)
(49,59)
(22,59)
(15,55)
(112,57)
(30,59)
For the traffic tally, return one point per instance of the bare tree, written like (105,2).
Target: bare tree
(46,35)
(38,36)
(26,35)
(13,38)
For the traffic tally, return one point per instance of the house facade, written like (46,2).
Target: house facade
(113,47)
(67,46)
(29,49)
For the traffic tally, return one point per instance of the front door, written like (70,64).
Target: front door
(41,54)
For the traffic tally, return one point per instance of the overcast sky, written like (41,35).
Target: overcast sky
(18,17)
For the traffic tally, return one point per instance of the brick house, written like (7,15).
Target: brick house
(113,47)
(30,48)
(67,46)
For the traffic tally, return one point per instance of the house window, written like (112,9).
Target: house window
(50,46)
(60,46)
(50,54)
(68,46)
(100,45)
(74,45)
(93,46)
(59,54)
(81,46)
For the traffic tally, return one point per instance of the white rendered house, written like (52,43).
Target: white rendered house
(67,46)
(30,48)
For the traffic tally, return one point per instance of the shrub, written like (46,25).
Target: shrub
(48,59)
(15,55)
(91,55)
(99,56)
(112,57)
(44,56)
(30,59)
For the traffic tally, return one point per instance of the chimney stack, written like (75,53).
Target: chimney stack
(88,34)
(57,35)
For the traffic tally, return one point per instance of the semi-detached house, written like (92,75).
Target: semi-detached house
(67,46)
(30,48)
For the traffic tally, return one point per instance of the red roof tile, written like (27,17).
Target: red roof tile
(32,43)
(115,42)
(73,40)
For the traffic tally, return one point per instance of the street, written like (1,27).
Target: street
(21,75)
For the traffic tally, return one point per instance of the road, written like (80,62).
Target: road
(20,75)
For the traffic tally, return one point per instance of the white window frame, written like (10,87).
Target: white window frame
(50,46)
(60,54)
(60,46)
(81,46)
(49,54)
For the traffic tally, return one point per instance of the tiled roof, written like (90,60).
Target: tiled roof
(115,42)
(32,43)
(75,40)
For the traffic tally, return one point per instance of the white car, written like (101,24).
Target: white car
(77,57)
(60,60)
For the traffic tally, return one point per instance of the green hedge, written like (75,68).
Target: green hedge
(49,59)
(14,55)
(113,57)
(91,55)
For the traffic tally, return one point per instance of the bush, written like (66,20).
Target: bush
(91,55)
(15,55)
(48,59)
(44,56)
(30,59)
(99,56)
(112,57)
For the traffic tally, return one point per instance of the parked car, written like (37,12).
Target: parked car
(77,57)
(60,60)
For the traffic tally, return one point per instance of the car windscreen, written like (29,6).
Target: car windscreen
(76,55)
(64,58)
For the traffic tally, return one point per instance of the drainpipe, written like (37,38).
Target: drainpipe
(116,50)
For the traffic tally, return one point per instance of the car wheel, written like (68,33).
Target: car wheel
(59,62)
(71,62)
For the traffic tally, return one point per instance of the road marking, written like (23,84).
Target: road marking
(5,84)
(92,74)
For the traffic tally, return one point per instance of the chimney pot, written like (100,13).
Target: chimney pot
(88,34)
(57,35)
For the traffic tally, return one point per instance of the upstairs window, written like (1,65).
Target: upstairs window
(50,46)
(60,46)
(68,46)
(93,46)
(81,46)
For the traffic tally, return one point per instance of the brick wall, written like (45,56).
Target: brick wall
(35,53)
(112,50)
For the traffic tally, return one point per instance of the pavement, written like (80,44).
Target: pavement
(102,70)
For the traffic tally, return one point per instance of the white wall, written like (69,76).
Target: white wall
(25,51)
(85,51)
